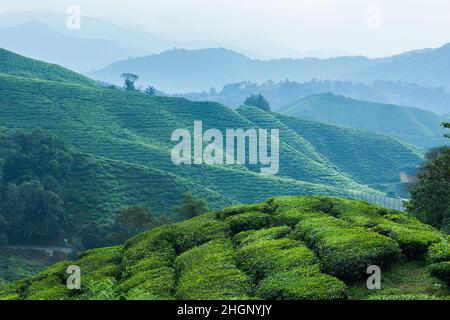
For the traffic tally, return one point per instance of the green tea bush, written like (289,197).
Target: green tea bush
(245,237)
(305,283)
(413,237)
(441,271)
(158,282)
(265,257)
(154,243)
(345,251)
(196,231)
(439,252)
(249,221)
(243,208)
(209,272)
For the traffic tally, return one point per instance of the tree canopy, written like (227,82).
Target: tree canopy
(430,194)
(129,79)
(191,206)
(257,101)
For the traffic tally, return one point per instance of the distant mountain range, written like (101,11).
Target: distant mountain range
(35,39)
(181,71)
(141,42)
(419,127)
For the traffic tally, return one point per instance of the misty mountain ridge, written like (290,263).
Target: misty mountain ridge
(283,93)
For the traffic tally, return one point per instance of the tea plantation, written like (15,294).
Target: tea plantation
(285,248)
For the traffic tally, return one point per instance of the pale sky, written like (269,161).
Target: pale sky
(368,27)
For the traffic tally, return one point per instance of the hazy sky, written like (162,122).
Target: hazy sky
(373,28)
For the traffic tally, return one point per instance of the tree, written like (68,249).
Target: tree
(430,194)
(129,79)
(150,90)
(257,101)
(135,219)
(191,206)
(446,125)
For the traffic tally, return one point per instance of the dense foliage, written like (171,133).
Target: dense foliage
(286,248)
(257,100)
(131,131)
(430,194)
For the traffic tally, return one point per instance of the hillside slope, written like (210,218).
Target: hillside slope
(293,248)
(14,64)
(136,128)
(418,127)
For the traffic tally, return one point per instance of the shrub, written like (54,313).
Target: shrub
(208,272)
(266,207)
(345,251)
(249,221)
(441,271)
(196,231)
(413,237)
(156,242)
(263,258)
(159,283)
(305,283)
(439,252)
(245,237)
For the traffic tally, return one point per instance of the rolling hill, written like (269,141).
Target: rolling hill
(136,128)
(418,127)
(287,248)
(121,145)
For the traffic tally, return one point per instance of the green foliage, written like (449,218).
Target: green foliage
(208,272)
(302,284)
(439,252)
(413,125)
(446,125)
(257,101)
(202,258)
(266,257)
(246,237)
(441,271)
(249,221)
(129,80)
(345,251)
(130,221)
(430,195)
(196,231)
(191,206)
